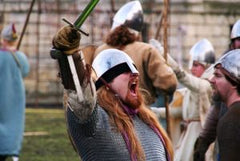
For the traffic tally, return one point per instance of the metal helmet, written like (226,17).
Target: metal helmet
(110,63)
(131,15)
(9,33)
(202,52)
(235,30)
(230,62)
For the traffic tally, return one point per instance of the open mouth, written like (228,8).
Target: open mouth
(133,88)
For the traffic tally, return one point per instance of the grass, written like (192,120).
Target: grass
(45,137)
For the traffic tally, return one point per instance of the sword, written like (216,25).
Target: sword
(55,53)
(82,17)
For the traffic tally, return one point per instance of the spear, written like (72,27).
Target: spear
(25,24)
(158,27)
(112,10)
(165,40)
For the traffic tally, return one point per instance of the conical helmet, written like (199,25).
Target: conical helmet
(9,33)
(202,52)
(235,30)
(230,62)
(131,15)
(110,63)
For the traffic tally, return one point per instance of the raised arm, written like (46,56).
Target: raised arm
(75,75)
(193,83)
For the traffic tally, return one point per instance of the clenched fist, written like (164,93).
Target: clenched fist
(67,39)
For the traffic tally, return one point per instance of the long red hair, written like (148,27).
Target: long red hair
(108,101)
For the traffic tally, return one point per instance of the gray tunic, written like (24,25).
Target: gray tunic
(96,140)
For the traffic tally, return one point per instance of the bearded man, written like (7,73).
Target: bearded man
(218,109)
(113,123)
(226,86)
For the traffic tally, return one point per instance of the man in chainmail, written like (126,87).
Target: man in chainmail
(111,122)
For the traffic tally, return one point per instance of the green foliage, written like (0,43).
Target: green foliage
(46,138)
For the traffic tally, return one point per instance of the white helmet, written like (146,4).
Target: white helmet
(235,30)
(202,52)
(110,63)
(131,15)
(230,62)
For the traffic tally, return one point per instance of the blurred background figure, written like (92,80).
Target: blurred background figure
(14,67)
(196,96)
(235,36)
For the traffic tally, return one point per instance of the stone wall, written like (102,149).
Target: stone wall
(189,21)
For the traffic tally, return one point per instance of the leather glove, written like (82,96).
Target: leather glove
(82,109)
(67,42)
(67,39)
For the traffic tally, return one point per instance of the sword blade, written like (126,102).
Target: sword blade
(88,9)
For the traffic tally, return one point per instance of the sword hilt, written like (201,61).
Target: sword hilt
(83,32)
(82,17)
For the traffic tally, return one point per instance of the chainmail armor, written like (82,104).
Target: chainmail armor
(96,140)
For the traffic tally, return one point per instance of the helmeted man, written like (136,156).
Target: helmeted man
(156,77)
(218,109)
(235,36)
(196,96)
(111,122)
(226,86)
(14,67)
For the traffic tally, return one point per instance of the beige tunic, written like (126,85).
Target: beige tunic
(155,75)
(196,102)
